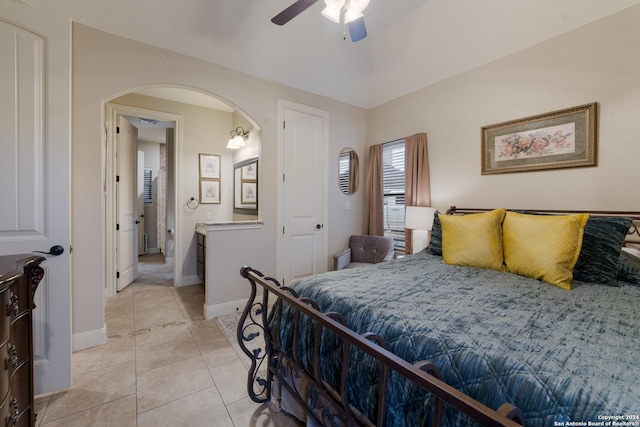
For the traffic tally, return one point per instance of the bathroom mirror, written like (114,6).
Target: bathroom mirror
(245,187)
(348,171)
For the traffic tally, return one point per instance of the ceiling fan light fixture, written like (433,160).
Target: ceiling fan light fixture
(358,5)
(351,15)
(333,9)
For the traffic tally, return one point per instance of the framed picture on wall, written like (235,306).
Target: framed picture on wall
(249,172)
(210,166)
(559,139)
(249,194)
(209,191)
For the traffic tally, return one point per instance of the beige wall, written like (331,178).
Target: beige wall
(106,66)
(597,62)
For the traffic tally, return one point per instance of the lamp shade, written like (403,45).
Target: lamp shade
(419,217)
(239,141)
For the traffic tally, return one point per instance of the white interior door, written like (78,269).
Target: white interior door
(127,203)
(35,173)
(303,194)
(141,245)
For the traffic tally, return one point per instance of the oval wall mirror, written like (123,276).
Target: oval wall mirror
(348,175)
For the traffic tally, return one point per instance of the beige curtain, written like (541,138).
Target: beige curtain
(417,183)
(374,196)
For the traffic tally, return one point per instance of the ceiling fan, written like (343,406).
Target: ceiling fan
(353,16)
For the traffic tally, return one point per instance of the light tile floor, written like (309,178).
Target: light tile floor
(163,365)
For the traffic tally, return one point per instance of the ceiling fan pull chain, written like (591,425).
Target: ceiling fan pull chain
(344,32)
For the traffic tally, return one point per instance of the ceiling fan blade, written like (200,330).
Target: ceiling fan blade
(292,11)
(357,29)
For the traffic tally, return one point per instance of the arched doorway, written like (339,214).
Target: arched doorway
(172,104)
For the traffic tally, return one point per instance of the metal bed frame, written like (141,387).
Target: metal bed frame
(323,404)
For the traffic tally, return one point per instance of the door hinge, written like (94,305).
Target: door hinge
(117,274)
(282,230)
(70,248)
(283,177)
(284,124)
(117,178)
(117,227)
(117,129)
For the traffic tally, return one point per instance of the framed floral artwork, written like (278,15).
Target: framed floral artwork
(209,166)
(209,191)
(249,194)
(249,172)
(559,139)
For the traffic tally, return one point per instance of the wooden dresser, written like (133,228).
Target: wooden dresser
(19,278)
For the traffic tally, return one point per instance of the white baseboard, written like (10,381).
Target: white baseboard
(89,339)
(190,280)
(217,310)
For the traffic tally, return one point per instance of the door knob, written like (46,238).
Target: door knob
(137,222)
(55,250)
(319,226)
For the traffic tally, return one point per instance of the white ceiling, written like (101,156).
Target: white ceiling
(411,43)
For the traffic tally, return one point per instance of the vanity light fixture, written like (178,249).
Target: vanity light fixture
(238,135)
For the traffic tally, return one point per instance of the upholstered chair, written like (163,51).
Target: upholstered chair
(364,250)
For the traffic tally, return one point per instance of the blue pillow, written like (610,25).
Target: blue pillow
(435,242)
(600,253)
(629,268)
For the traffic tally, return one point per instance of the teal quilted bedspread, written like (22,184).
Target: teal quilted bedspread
(558,355)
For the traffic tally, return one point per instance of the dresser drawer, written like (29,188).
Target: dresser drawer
(5,374)
(18,300)
(5,298)
(4,410)
(12,419)
(21,387)
(18,347)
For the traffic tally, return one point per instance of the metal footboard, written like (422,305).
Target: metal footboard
(321,402)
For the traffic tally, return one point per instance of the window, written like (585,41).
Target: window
(393,188)
(148,186)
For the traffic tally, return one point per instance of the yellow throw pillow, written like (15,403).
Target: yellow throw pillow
(474,240)
(543,247)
